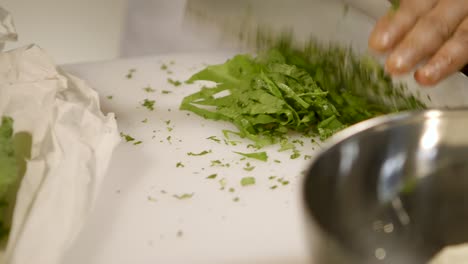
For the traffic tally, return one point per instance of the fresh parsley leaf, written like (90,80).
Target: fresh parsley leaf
(257,155)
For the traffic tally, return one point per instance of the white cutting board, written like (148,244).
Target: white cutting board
(134,222)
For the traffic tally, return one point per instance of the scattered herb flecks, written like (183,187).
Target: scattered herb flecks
(180,165)
(149,89)
(148,104)
(174,82)
(246,181)
(127,138)
(214,138)
(130,73)
(212,176)
(257,155)
(205,152)
(165,92)
(184,196)
(110,97)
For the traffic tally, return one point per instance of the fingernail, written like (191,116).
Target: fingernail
(398,62)
(383,39)
(430,72)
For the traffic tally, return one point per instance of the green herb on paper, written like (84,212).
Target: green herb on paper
(137,143)
(205,152)
(296,154)
(223,183)
(212,176)
(165,92)
(184,196)
(214,138)
(236,199)
(148,104)
(130,73)
(272,177)
(246,181)
(180,165)
(144,121)
(164,67)
(257,155)
(169,138)
(152,199)
(249,167)
(218,163)
(231,190)
(274,187)
(307,157)
(110,97)
(277,161)
(149,89)
(127,138)
(173,82)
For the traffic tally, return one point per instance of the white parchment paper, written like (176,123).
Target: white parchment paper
(72,146)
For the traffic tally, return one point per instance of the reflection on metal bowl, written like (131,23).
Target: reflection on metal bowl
(390,190)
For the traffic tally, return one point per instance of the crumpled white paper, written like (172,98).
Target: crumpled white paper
(7,28)
(72,145)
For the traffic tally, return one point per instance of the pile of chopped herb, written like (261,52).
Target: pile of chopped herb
(316,90)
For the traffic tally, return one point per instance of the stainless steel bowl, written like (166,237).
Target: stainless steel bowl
(390,190)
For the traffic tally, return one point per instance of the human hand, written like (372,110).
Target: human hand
(436,30)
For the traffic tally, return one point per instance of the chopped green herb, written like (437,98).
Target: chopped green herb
(212,176)
(165,92)
(298,141)
(246,181)
(277,161)
(149,104)
(223,183)
(214,138)
(127,138)
(137,143)
(272,177)
(184,196)
(180,165)
(318,91)
(232,190)
(296,154)
(149,89)
(110,97)
(152,199)
(144,120)
(164,67)
(236,199)
(285,182)
(274,187)
(258,155)
(170,129)
(249,167)
(307,157)
(173,82)
(168,122)
(130,73)
(169,138)
(199,154)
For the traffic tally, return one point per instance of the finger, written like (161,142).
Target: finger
(428,35)
(391,28)
(450,58)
